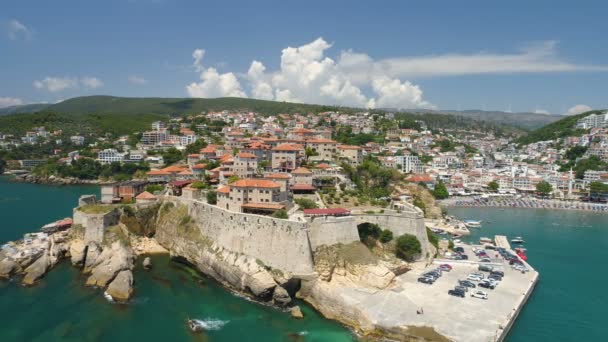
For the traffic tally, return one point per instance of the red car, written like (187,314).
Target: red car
(445,267)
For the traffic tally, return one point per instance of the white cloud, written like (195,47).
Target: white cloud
(56,84)
(307,74)
(579,108)
(137,80)
(15,30)
(542,111)
(91,82)
(10,101)
(216,85)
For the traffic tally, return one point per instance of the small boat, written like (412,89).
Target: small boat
(485,240)
(518,239)
(472,223)
(521,254)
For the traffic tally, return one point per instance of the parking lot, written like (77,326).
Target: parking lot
(468,318)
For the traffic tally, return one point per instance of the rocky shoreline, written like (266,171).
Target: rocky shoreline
(53,180)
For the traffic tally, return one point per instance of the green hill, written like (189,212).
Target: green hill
(121,115)
(28,108)
(559,129)
(178,106)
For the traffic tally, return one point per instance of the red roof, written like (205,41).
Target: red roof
(181,184)
(263,206)
(329,212)
(224,190)
(278,176)
(145,195)
(301,171)
(303,187)
(288,147)
(255,183)
(246,155)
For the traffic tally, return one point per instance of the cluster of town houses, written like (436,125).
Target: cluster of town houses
(274,157)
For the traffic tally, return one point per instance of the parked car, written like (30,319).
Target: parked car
(479,294)
(485,260)
(466,283)
(446,267)
(456,293)
(485,268)
(459,249)
(461,288)
(495,277)
(426,280)
(473,277)
(487,284)
(500,273)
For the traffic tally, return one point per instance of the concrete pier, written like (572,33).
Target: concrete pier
(467,319)
(502,241)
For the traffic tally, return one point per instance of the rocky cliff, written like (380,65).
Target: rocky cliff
(177,232)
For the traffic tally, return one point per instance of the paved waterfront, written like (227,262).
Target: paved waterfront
(531,203)
(465,319)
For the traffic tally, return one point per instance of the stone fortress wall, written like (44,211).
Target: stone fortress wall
(95,224)
(289,245)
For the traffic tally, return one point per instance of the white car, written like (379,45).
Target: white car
(479,294)
(474,277)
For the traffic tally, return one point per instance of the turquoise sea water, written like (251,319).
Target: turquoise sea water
(570,251)
(61,308)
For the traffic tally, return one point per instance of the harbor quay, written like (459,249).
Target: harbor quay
(530,203)
(468,318)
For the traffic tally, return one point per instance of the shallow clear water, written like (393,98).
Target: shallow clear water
(61,308)
(570,251)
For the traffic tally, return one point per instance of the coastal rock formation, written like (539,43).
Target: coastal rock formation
(296,312)
(281,297)
(109,263)
(53,180)
(8,267)
(77,252)
(238,271)
(36,270)
(93,251)
(121,288)
(147,263)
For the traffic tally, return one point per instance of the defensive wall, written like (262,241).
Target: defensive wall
(95,224)
(289,245)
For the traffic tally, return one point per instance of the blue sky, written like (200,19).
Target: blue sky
(525,55)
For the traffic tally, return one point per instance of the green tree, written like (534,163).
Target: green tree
(386,236)
(493,186)
(172,156)
(544,188)
(407,247)
(598,188)
(306,203)
(280,214)
(199,185)
(233,179)
(196,146)
(212,197)
(309,152)
(440,191)
(2,166)
(433,239)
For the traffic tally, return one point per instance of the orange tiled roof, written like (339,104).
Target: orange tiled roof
(288,147)
(158,173)
(278,176)
(174,168)
(323,166)
(263,206)
(199,166)
(321,141)
(348,147)
(224,190)
(145,195)
(246,155)
(301,171)
(208,149)
(255,183)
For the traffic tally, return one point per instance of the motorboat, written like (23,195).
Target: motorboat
(485,240)
(472,223)
(517,239)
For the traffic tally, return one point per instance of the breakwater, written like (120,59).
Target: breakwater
(526,203)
